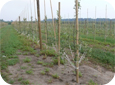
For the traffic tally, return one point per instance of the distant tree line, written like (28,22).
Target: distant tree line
(83,19)
(9,22)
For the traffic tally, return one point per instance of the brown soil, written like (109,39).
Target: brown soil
(66,73)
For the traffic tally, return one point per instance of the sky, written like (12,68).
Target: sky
(12,9)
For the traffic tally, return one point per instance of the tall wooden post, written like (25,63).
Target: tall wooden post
(85,27)
(39,24)
(95,25)
(106,22)
(45,20)
(35,19)
(77,43)
(59,35)
(87,23)
(94,30)
(110,27)
(19,24)
(53,20)
(100,24)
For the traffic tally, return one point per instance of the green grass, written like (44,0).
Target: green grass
(20,79)
(43,72)
(27,60)
(11,81)
(103,56)
(23,67)
(55,76)
(91,82)
(98,38)
(13,56)
(44,64)
(51,64)
(26,53)
(25,82)
(80,74)
(48,52)
(29,72)
(9,44)
(37,55)
(40,62)
(50,80)
(55,61)
(12,62)
(47,69)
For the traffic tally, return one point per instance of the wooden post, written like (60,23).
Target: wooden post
(85,27)
(39,24)
(100,24)
(45,20)
(53,20)
(77,43)
(59,35)
(95,25)
(19,24)
(94,30)
(80,25)
(28,22)
(110,27)
(106,22)
(87,23)
(31,26)
(110,24)
(35,19)
(24,24)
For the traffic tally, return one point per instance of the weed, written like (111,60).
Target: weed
(4,64)
(48,52)
(27,60)
(12,62)
(33,52)
(50,80)
(44,57)
(91,82)
(23,67)
(25,53)
(55,61)
(29,72)
(37,55)
(102,56)
(51,64)
(20,79)
(43,72)
(80,74)
(4,76)
(55,76)
(44,64)
(40,62)
(18,53)
(25,82)
(47,69)
(12,56)
(11,81)
(29,64)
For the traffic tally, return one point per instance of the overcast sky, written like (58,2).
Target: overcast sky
(14,8)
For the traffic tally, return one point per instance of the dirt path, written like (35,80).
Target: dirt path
(66,74)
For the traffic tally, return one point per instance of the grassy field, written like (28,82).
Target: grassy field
(14,45)
(98,37)
(11,42)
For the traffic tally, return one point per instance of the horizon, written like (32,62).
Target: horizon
(65,19)
(67,11)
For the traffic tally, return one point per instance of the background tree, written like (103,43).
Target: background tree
(79,6)
(58,17)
